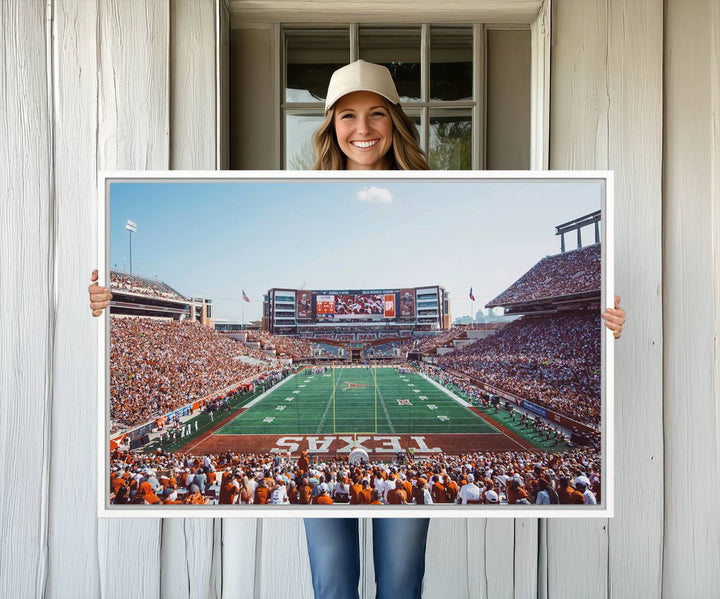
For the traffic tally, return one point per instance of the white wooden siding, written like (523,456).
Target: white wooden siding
(606,101)
(74,567)
(133,133)
(635,87)
(27,210)
(691,302)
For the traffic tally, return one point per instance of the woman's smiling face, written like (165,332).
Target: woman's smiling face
(364,130)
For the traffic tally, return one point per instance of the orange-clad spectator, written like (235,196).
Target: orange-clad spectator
(303,463)
(148,495)
(323,498)
(407,485)
(304,491)
(293,493)
(451,489)
(365,495)
(195,497)
(397,496)
(376,497)
(515,493)
(568,494)
(419,491)
(437,490)
(229,489)
(355,489)
(261,492)
(116,482)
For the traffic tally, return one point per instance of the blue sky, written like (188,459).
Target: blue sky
(214,239)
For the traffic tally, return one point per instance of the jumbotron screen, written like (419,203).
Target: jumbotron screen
(353,305)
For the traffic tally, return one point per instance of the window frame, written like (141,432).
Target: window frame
(476,106)
(539,88)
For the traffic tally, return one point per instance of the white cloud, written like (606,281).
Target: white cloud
(376,195)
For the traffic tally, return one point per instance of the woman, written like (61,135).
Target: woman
(365,129)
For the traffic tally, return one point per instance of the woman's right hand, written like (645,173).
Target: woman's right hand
(99,296)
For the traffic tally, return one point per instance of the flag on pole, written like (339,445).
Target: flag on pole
(245,297)
(472,297)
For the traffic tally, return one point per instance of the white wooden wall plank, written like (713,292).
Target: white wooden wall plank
(187,558)
(193,86)
(578,140)
(73,565)
(133,102)
(490,558)
(446,559)
(26,280)
(289,576)
(190,567)
(239,558)
(578,93)
(525,571)
(133,128)
(692,306)
(607,93)
(635,48)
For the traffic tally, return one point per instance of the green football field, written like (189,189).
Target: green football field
(377,401)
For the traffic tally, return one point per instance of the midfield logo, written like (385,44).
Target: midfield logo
(349,385)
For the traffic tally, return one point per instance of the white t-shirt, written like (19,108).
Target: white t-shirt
(279,495)
(469,491)
(427,496)
(389,485)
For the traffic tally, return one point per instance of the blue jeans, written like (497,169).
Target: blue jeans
(398,553)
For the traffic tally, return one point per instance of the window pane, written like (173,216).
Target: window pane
(451,55)
(398,50)
(311,58)
(299,150)
(450,139)
(508,100)
(415,117)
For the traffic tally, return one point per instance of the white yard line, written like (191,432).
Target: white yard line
(384,407)
(459,400)
(328,406)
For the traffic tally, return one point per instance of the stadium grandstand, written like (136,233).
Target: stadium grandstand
(548,361)
(138,296)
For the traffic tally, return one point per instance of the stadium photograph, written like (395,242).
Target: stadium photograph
(355,342)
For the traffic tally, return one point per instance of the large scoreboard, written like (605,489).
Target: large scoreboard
(292,308)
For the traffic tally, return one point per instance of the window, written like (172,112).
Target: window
(467,87)
(434,67)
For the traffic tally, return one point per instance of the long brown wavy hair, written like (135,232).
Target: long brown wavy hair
(405,153)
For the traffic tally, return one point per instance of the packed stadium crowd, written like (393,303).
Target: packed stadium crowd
(389,349)
(159,366)
(290,345)
(134,284)
(512,478)
(551,360)
(430,343)
(576,271)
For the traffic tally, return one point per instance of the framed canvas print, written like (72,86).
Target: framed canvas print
(285,344)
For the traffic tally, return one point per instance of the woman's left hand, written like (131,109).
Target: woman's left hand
(615,318)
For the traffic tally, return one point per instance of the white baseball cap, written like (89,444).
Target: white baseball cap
(361,76)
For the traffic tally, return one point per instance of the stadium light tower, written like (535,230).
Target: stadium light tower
(132,228)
